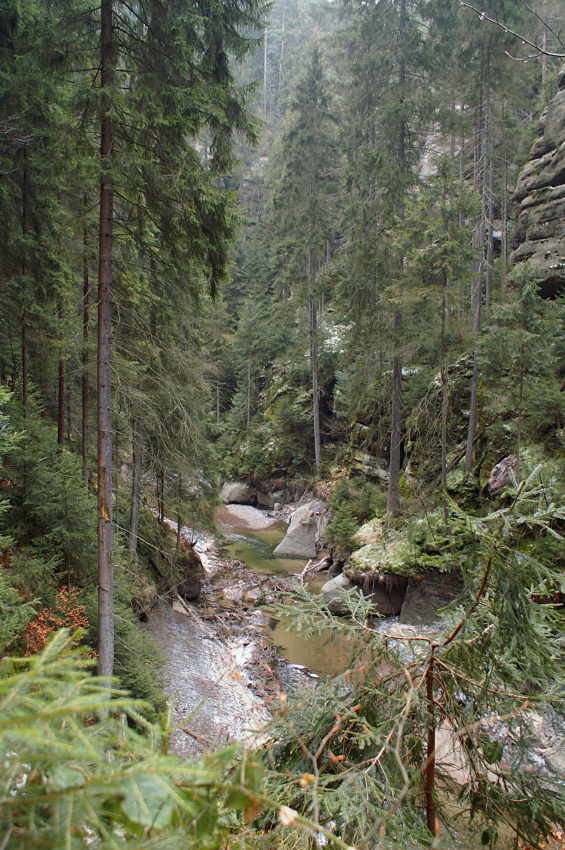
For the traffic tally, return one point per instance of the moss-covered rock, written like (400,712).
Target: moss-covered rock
(401,553)
(393,555)
(371,532)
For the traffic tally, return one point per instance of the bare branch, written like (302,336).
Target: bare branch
(540,50)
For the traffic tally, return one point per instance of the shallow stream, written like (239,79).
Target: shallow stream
(244,540)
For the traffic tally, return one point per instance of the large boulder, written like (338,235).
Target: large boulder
(304,532)
(539,232)
(332,592)
(427,595)
(238,493)
(265,501)
(387,593)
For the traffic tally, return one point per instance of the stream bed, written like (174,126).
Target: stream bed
(320,656)
(218,669)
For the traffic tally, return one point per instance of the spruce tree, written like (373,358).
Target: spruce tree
(304,199)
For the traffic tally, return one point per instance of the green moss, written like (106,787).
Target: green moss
(398,556)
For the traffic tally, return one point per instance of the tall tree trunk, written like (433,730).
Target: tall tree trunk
(85,350)
(430,753)
(179,522)
(393,495)
(249,389)
(161,494)
(477,291)
(265,74)
(444,403)
(313,328)
(504,247)
(544,62)
(61,406)
(489,236)
(104,376)
(25,391)
(116,467)
(281,55)
(136,486)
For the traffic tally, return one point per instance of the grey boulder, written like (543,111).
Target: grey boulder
(238,493)
(303,533)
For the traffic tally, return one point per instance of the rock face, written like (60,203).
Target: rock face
(304,532)
(238,493)
(539,232)
(387,593)
(426,595)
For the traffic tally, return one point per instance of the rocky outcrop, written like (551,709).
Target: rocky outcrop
(393,569)
(364,464)
(539,231)
(238,493)
(303,538)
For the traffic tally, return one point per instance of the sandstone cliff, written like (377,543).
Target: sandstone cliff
(539,231)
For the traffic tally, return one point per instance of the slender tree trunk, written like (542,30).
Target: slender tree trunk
(61,410)
(504,246)
(25,391)
(431,760)
(477,291)
(281,55)
(137,452)
(85,351)
(217,402)
(265,74)
(161,494)
(544,63)
(104,404)
(444,405)
(393,496)
(313,327)
(179,522)
(489,236)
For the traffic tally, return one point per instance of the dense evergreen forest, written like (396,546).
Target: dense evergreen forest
(313,246)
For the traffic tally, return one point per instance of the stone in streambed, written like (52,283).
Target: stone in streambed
(332,593)
(253,595)
(238,493)
(303,532)
(427,595)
